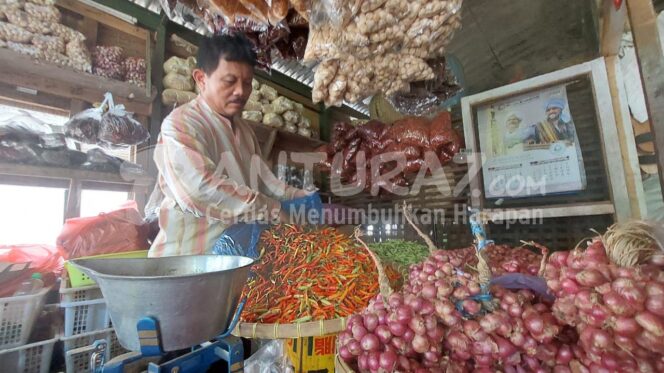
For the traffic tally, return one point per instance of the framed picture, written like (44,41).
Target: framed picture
(530,144)
(548,143)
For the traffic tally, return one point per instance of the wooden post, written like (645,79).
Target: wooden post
(613,26)
(643,20)
(73,206)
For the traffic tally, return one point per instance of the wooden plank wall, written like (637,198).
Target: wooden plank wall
(555,233)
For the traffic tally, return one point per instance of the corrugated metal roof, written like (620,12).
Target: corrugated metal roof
(290,68)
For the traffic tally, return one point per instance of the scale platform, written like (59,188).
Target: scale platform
(153,359)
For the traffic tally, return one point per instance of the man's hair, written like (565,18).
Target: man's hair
(231,47)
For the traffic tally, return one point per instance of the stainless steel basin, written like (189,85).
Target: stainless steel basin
(192,297)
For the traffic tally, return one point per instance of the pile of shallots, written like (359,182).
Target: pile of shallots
(617,311)
(441,321)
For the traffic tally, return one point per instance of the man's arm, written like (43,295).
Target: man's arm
(197,185)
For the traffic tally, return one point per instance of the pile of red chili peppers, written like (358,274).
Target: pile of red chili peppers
(307,274)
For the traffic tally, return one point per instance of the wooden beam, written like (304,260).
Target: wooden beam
(643,20)
(73,204)
(22,71)
(630,158)
(101,17)
(613,26)
(39,101)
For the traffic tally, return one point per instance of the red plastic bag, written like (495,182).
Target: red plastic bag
(43,259)
(118,231)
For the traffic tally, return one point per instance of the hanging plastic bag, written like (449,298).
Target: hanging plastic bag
(523,281)
(240,239)
(118,231)
(119,128)
(84,126)
(268,359)
(43,259)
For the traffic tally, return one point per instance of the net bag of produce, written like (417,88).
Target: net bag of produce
(118,231)
(119,128)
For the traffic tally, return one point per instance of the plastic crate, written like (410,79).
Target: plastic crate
(79,348)
(31,358)
(78,279)
(17,317)
(85,308)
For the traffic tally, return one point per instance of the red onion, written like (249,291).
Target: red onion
(617,304)
(417,325)
(569,286)
(564,355)
(358,331)
(471,306)
(408,335)
(399,345)
(383,333)
(561,369)
(373,362)
(396,328)
(388,360)
(370,322)
(505,348)
(651,323)
(444,290)
(420,344)
(626,326)
(655,304)
(654,288)
(404,314)
(345,354)
(395,300)
(429,291)
(461,292)
(370,342)
(363,362)
(354,347)
(443,308)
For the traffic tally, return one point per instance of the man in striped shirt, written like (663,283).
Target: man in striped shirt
(210,169)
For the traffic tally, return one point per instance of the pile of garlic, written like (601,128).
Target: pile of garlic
(376,46)
(266,106)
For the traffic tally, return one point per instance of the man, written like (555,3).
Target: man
(516,135)
(206,154)
(554,128)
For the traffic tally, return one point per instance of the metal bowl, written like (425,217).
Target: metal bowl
(192,297)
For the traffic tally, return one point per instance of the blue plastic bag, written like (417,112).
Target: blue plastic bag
(523,281)
(309,208)
(240,239)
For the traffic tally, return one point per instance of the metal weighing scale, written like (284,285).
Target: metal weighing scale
(161,307)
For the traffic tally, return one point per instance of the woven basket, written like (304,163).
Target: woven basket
(340,366)
(311,328)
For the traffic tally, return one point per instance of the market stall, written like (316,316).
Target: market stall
(474,174)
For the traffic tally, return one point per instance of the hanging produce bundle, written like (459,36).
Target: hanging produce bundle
(304,275)
(417,139)
(613,294)
(373,47)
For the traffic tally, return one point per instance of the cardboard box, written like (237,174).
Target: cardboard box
(312,354)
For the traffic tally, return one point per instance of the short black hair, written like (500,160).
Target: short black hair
(234,47)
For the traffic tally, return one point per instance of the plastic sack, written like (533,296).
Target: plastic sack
(268,92)
(179,82)
(119,128)
(281,104)
(42,258)
(254,116)
(273,120)
(291,116)
(410,131)
(172,96)
(16,152)
(267,359)
(179,65)
(84,126)
(240,239)
(522,281)
(22,127)
(118,231)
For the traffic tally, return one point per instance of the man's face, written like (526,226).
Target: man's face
(513,124)
(227,89)
(553,113)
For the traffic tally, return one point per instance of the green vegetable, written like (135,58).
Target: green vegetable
(399,252)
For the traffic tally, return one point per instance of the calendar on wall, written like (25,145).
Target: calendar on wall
(529,145)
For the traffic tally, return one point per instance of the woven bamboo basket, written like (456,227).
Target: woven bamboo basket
(340,366)
(312,328)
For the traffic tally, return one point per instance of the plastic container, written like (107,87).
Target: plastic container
(31,358)
(17,317)
(78,349)
(80,279)
(85,308)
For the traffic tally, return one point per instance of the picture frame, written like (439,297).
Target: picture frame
(615,199)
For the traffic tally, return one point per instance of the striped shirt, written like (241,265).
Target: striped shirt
(205,178)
